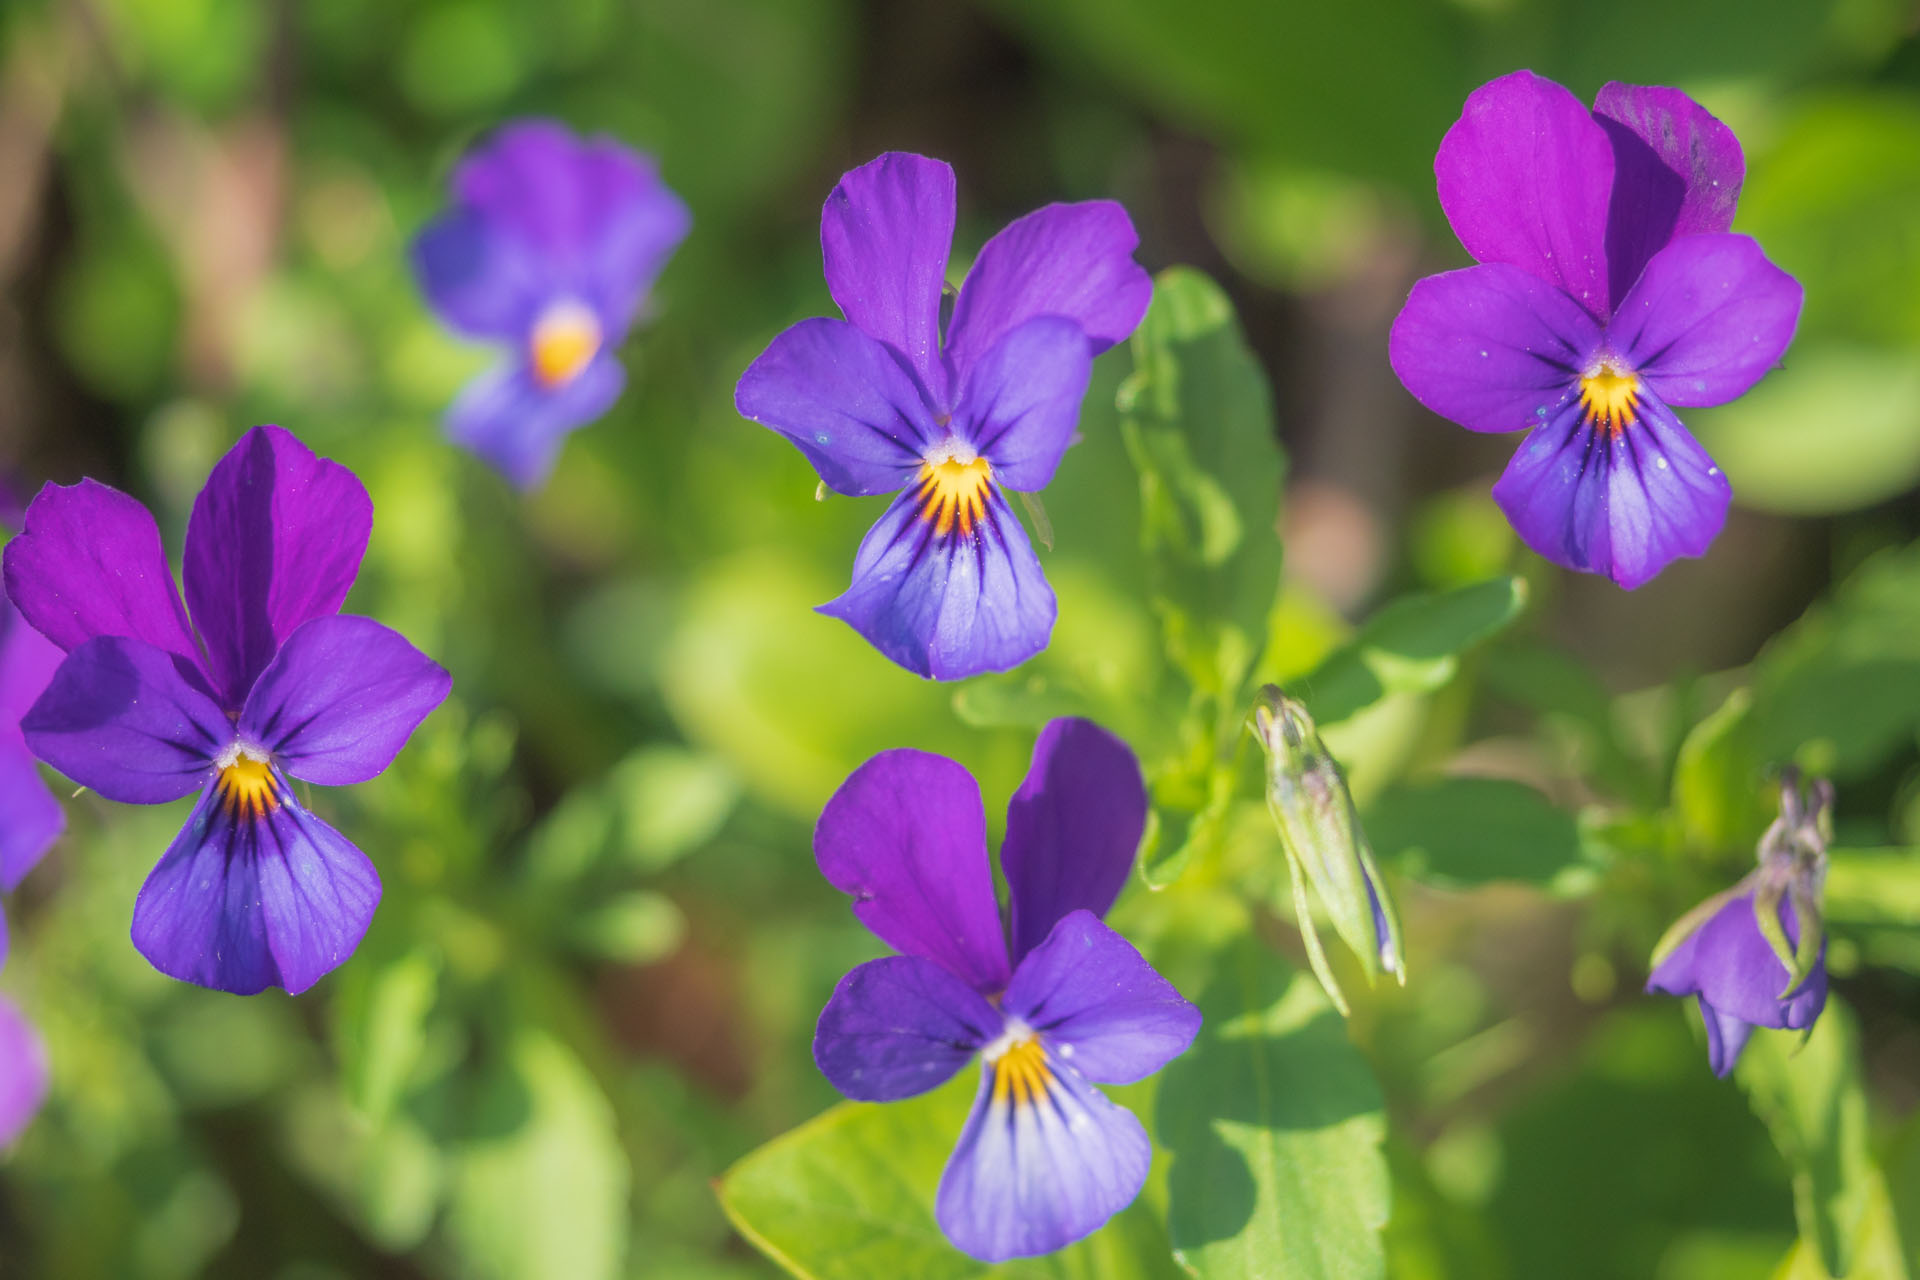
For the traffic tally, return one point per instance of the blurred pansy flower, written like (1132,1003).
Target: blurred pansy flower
(1325,846)
(952,407)
(549,250)
(1756,955)
(30,816)
(1609,292)
(23,1063)
(1044,1158)
(256,891)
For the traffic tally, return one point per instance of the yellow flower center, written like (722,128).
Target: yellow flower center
(565,338)
(953,493)
(1020,1073)
(1611,398)
(246,785)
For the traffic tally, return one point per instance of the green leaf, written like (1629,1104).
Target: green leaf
(849,1196)
(1461,832)
(633,928)
(1719,795)
(672,801)
(1413,645)
(1873,886)
(380,1020)
(1875,1251)
(540,1191)
(1813,1103)
(1275,1123)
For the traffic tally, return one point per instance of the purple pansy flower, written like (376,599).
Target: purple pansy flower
(30,816)
(1044,1158)
(1609,291)
(550,247)
(256,891)
(23,1064)
(952,409)
(1756,955)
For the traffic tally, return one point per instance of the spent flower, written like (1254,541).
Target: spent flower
(1609,293)
(951,406)
(1044,1158)
(550,248)
(1755,955)
(1325,846)
(256,891)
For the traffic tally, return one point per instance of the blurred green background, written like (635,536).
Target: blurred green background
(591,985)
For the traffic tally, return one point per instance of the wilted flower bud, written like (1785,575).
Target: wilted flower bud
(1324,844)
(1755,955)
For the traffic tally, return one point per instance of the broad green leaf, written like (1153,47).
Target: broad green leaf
(1468,831)
(1873,886)
(1274,1123)
(1413,645)
(849,1196)
(1720,795)
(540,1186)
(672,801)
(380,1019)
(1875,1248)
(1814,1105)
(632,928)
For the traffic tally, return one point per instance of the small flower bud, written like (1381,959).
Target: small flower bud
(1325,847)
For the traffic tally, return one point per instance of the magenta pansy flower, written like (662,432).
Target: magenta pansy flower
(951,406)
(549,250)
(1609,293)
(23,1064)
(30,816)
(256,891)
(1044,1158)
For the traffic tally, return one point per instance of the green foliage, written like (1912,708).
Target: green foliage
(1461,832)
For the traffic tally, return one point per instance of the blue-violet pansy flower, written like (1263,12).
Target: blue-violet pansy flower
(951,409)
(256,891)
(30,816)
(549,249)
(1609,293)
(1044,1158)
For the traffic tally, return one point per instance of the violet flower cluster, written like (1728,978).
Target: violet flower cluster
(1044,1158)
(954,408)
(256,891)
(549,250)
(1756,954)
(1609,292)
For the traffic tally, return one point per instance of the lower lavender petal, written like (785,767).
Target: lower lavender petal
(899,1026)
(949,604)
(518,426)
(1727,1036)
(1037,1169)
(23,1072)
(255,895)
(1624,502)
(1101,1006)
(121,719)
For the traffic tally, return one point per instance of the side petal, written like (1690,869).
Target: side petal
(518,426)
(1525,177)
(27,663)
(30,816)
(1708,318)
(1492,348)
(120,719)
(949,605)
(275,538)
(1099,1005)
(1073,828)
(341,699)
(1678,172)
(844,401)
(1727,1036)
(478,280)
(1021,403)
(1625,503)
(899,1026)
(89,563)
(1035,1172)
(248,898)
(24,1072)
(885,233)
(1071,260)
(906,836)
